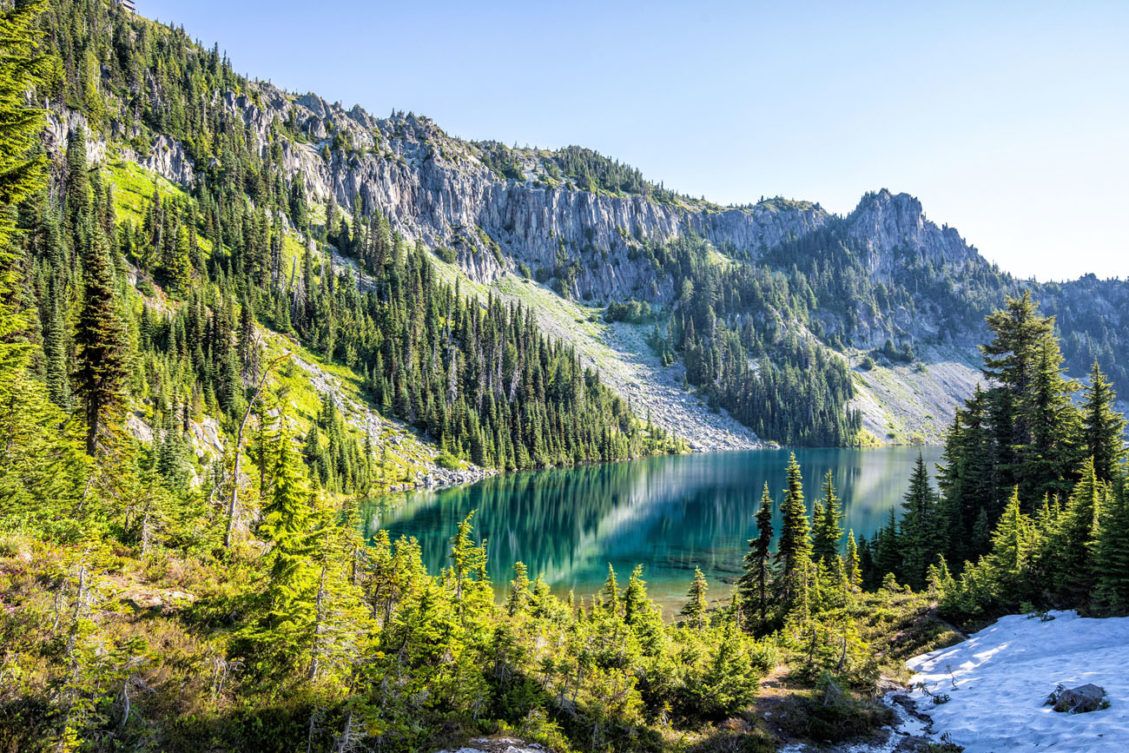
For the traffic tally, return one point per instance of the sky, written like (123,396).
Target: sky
(1008,120)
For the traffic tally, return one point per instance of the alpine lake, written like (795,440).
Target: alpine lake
(669,514)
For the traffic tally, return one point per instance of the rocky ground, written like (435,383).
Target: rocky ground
(627,364)
(498,745)
(914,403)
(655,390)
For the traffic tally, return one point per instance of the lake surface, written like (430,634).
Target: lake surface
(670,514)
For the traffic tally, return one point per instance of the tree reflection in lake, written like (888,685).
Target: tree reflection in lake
(670,514)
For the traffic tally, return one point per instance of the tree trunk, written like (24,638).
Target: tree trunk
(233,500)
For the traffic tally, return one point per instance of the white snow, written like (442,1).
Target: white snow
(1000,677)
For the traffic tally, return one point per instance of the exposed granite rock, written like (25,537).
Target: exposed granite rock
(169,159)
(498,745)
(1079,700)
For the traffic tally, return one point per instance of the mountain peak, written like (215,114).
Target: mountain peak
(885,222)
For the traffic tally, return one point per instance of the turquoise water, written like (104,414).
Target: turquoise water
(669,514)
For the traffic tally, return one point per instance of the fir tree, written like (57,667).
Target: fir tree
(22,67)
(756,576)
(641,615)
(610,592)
(793,555)
(101,344)
(518,599)
(917,532)
(1103,426)
(827,529)
(696,604)
(1073,539)
(287,526)
(1111,555)
(852,565)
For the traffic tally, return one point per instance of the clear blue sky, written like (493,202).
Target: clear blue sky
(1009,121)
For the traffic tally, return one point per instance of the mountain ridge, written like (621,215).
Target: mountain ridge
(594,230)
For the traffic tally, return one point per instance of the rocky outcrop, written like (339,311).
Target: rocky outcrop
(168,158)
(438,189)
(886,224)
(1079,700)
(498,745)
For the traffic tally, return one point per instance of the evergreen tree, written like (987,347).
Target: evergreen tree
(917,533)
(641,615)
(696,604)
(793,555)
(609,594)
(22,67)
(1103,427)
(757,574)
(1073,539)
(519,597)
(887,551)
(1012,548)
(102,364)
(1111,555)
(287,527)
(827,529)
(467,573)
(852,565)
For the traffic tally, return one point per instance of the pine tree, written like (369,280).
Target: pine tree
(1103,426)
(287,527)
(101,344)
(518,600)
(635,596)
(641,615)
(917,533)
(1073,539)
(22,67)
(1012,547)
(696,604)
(887,550)
(1111,555)
(467,574)
(610,592)
(794,553)
(756,577)
(827,529)
(852,565)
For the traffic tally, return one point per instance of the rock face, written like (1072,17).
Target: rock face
(439,189)
(887,224)
(597,245)
(499,745)
(1079,700)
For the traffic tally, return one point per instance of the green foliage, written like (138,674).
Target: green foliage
(755,583)
(1103,428)
(696,604)
(759,368)
(633,312)
(794,553)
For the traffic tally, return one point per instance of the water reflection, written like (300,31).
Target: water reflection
(670,514)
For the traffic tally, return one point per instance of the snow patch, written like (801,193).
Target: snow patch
(999,679)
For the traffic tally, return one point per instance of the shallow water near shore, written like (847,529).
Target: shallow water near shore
(670,514)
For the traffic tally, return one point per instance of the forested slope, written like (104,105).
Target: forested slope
(773,290)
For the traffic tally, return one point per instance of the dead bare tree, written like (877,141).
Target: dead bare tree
(233,500)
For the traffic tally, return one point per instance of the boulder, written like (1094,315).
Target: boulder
(1079,700)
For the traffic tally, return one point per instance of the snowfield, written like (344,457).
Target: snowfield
(1000,677)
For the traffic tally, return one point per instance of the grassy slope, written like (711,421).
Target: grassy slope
(407,456)
(913,403)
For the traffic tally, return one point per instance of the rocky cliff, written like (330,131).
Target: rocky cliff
(440,190)
(498,210)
